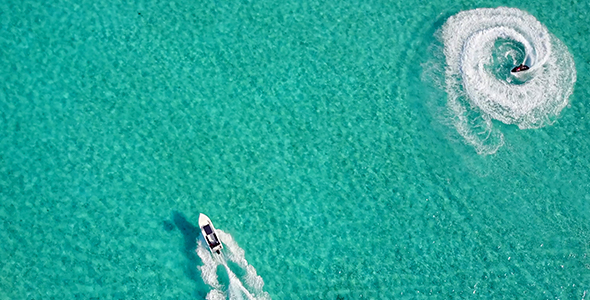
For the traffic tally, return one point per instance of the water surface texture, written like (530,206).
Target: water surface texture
(315,134)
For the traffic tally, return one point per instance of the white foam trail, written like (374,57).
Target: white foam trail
(236,288)
(209,268)
(477,95)
(215,295)
(250,286)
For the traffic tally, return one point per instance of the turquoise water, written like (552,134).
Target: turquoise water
(305,130)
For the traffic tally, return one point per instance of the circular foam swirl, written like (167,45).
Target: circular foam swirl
(480,47)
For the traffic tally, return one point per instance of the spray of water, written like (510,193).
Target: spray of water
(480,48)
(249,286)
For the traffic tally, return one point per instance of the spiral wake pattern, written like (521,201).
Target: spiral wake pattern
(481,47)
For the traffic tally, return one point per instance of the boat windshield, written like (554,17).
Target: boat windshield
(208,229)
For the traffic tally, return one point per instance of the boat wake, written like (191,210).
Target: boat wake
(480,48)
(247,286)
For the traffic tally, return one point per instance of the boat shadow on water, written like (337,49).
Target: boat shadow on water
(190,233)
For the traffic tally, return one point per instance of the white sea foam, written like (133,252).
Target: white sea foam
(209,267)
(480,47)
(249,286)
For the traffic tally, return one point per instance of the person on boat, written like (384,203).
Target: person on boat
(522,67)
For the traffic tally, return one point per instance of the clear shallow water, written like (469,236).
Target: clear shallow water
(305,130)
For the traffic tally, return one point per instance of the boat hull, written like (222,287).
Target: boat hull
(209,234)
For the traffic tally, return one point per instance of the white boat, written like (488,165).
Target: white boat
(209,234)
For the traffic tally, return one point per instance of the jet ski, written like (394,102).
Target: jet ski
(520,68)
(209,234)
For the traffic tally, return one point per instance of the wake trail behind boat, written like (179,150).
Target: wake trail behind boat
(235,285)
(249,286)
